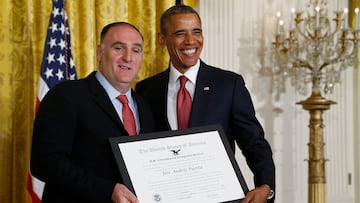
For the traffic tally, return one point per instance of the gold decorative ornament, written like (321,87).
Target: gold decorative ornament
(314,50)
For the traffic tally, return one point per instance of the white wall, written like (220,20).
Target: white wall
(238,36)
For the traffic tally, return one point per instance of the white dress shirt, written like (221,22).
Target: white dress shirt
(173,88)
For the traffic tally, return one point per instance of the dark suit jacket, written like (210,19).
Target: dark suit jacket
(70,148)
(220,98)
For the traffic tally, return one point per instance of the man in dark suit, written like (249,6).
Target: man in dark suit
(218,97)
(70,150)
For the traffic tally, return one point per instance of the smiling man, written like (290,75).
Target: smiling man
(191,93)
(70,147)
(120,55)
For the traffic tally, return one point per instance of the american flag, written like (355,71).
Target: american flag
(57,66)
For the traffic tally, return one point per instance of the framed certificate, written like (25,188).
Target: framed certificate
(191,165)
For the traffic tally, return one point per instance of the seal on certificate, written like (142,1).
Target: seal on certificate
(157,198)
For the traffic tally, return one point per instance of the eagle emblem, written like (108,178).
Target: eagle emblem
(175,151)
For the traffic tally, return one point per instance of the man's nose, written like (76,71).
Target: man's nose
(127,55)
(189,38)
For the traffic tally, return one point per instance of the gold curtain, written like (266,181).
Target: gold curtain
(23,27)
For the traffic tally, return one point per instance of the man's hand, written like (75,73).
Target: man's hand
(257,195)
(122,195)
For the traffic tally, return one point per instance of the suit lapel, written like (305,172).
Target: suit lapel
(161,93)
(146,119)
(203,93)
(102,100)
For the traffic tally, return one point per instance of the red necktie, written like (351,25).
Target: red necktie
(127,115)
(183,104)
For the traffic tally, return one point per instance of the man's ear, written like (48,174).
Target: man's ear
(161,39)
(98,53)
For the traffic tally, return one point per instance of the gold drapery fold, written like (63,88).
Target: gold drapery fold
(23,28)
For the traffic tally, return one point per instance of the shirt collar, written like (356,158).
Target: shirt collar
(191,73)
(110,90)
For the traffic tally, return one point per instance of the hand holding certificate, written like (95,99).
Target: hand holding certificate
(192,165)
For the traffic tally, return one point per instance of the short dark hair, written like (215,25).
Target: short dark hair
(177,9)
(107,27)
